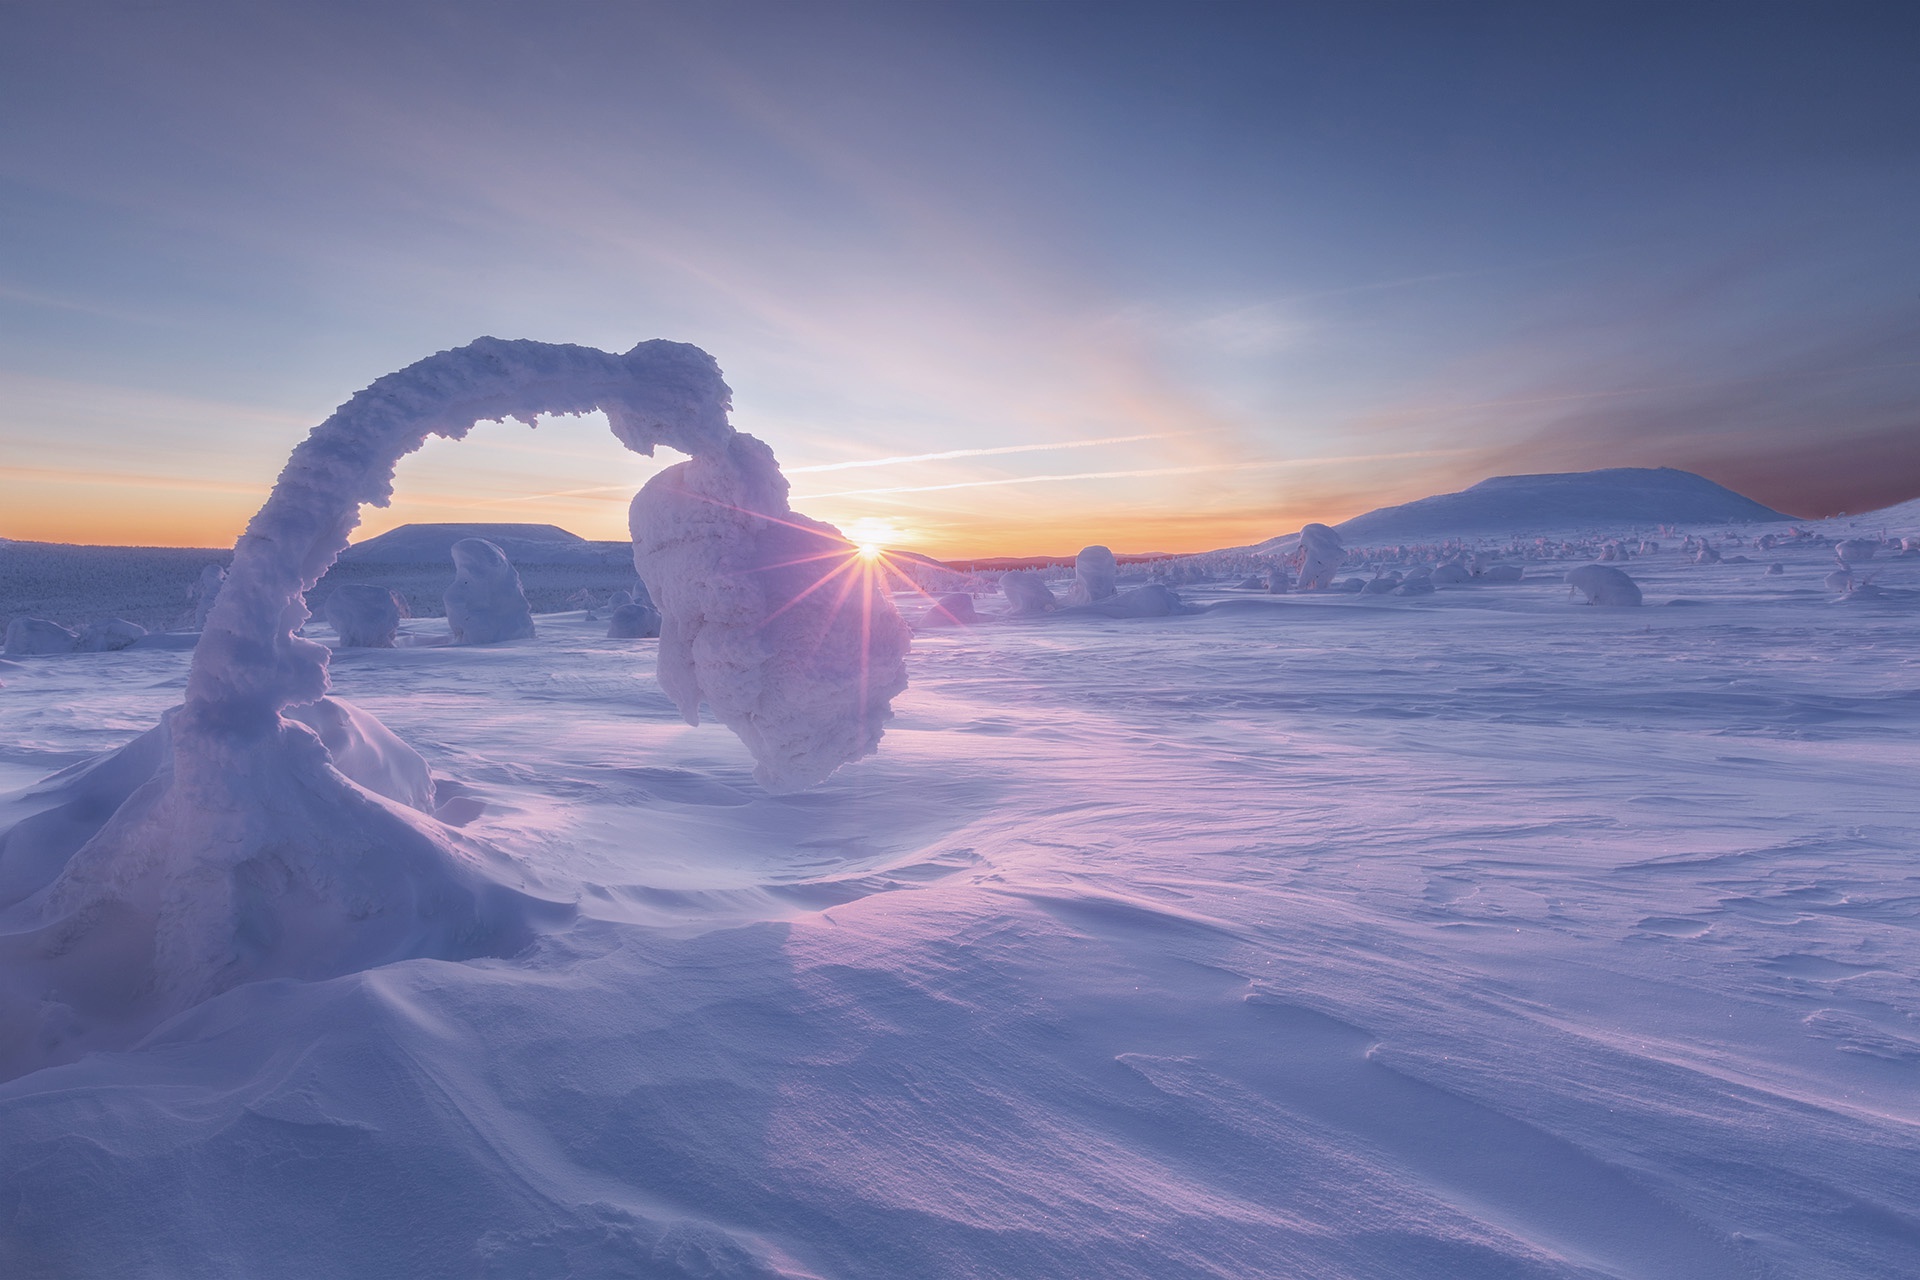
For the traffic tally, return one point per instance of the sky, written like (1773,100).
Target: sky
(991,278)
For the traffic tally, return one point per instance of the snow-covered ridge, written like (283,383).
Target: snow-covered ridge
(523,544)
(1616,498)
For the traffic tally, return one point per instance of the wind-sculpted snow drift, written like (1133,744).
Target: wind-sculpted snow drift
(262,831)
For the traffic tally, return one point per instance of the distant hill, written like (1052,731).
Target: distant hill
(1003,564)
(523,543)
(75,585)
(1618,498)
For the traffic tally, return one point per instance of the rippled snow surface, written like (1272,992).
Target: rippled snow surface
(1476,935)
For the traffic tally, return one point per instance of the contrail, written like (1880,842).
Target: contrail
(983,484)
(1024,448)
(1121,475)
(979,453)
(888,462)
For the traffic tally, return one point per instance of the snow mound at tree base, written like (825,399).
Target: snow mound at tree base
(128,894)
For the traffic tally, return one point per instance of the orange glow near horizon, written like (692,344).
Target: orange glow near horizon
(1173,492)
(106,513)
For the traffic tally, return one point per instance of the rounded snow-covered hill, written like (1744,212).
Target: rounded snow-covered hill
(1616,498)
(523,544)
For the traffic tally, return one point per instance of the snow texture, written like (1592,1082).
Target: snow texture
(1311,936)
(486,604)
(365,616)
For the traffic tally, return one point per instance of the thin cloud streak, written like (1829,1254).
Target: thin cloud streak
(1127,475)
(985,484)
(945,456)
(981,453)
(125,480)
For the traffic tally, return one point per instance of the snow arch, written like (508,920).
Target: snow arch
(251,663)
(262,830)
(732,566)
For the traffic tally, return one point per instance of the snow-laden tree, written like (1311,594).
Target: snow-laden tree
(264,830)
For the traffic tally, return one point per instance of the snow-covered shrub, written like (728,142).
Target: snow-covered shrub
(633,622)
(364,616)
(1603,584)
(1155,600)
(1417,583)
(1094,570)
(1027,593)
(1319,554)
(952,610)
(1855,550)
(109,635)
(29,636)
(486,603)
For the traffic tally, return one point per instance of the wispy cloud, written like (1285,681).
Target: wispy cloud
(1268,465)
(996,451)
(127,480)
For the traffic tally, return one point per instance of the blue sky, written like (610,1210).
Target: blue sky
(1229,267)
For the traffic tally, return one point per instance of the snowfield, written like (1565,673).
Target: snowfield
(1472,934)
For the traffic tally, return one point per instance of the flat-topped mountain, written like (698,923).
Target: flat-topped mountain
(523,543)
(1616,498)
